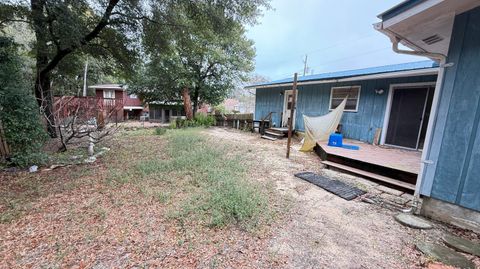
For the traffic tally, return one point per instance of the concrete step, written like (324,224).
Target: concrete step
(273,133)
(269,137)
(371,175)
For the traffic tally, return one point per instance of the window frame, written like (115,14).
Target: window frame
(346,87)
(105,94)
(133,96)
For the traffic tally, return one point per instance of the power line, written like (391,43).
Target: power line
(346,42)
(336,60)
(354,56)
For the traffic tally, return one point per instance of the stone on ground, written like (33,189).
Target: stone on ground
(462,245)
(445,255)
(412,221)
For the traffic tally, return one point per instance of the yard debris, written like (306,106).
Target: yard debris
(33,169)
(55,166)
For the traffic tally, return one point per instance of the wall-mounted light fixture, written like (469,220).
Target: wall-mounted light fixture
(379,91)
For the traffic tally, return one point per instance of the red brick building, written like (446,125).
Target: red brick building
(113,94)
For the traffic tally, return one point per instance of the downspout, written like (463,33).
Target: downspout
(433,113)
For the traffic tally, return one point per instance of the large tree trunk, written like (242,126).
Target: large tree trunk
(43,91)
(44,96)
(187,103)
(196,94)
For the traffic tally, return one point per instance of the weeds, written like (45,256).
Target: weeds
(223,197)
(160,131)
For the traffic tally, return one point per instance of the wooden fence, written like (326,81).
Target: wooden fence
(237,121)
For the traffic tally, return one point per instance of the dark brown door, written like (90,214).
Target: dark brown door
(407,117)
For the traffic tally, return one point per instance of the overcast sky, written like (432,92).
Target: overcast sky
(336,35)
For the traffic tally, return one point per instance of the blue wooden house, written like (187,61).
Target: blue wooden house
(380,99)
(449,32)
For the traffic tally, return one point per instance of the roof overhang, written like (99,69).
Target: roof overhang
(408,73)
(424,25)
(132,107)
(108,86)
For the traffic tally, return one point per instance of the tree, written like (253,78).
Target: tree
(201,55)
(19,115)
(246,97)
(64,27)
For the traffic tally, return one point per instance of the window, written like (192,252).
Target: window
(109,94)
(133,96)
(339,93)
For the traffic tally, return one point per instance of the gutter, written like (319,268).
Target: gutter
(396,39)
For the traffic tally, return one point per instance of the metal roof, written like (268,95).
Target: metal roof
(403,6)
(355,73)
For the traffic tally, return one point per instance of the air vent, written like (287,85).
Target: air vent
(432,39)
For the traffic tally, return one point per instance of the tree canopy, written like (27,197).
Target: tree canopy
(203,49)
(65,30)
(183,45)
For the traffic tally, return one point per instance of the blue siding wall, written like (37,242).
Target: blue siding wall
(455,177)
(313,100)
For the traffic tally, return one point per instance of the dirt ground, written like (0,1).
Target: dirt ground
(323,230)
(106,215)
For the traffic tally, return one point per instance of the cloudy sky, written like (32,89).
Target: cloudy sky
(336,35)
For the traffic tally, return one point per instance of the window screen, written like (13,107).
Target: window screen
(339,93)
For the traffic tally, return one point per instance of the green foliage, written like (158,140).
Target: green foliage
(234,200)
(65,30)
(220,109)
(200,120)
(160,131)
(204,120)
(173,125)
(203,48)
(224,196)
(19,115)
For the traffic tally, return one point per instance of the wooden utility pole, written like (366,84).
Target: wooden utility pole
(292,113)
(305,66)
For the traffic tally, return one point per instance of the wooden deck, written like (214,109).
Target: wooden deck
(392,166)
(394,158)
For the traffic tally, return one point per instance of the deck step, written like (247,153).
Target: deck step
(269,137)
(274,133)
(367,174)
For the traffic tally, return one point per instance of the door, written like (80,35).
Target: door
(167,115)
(287,109)
(407,121)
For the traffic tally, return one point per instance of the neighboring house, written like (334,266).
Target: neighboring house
(448,31)
(164,112)
(113,94)
(378,98)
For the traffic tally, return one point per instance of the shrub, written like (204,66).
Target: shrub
(160,131)
(204,120)
(200,120)
(19,115)
(173,125)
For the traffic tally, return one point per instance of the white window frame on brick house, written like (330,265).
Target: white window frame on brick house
(341,98)
(108,94)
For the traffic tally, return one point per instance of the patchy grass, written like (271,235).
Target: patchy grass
(222,194)
(148,197)
(213,178)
